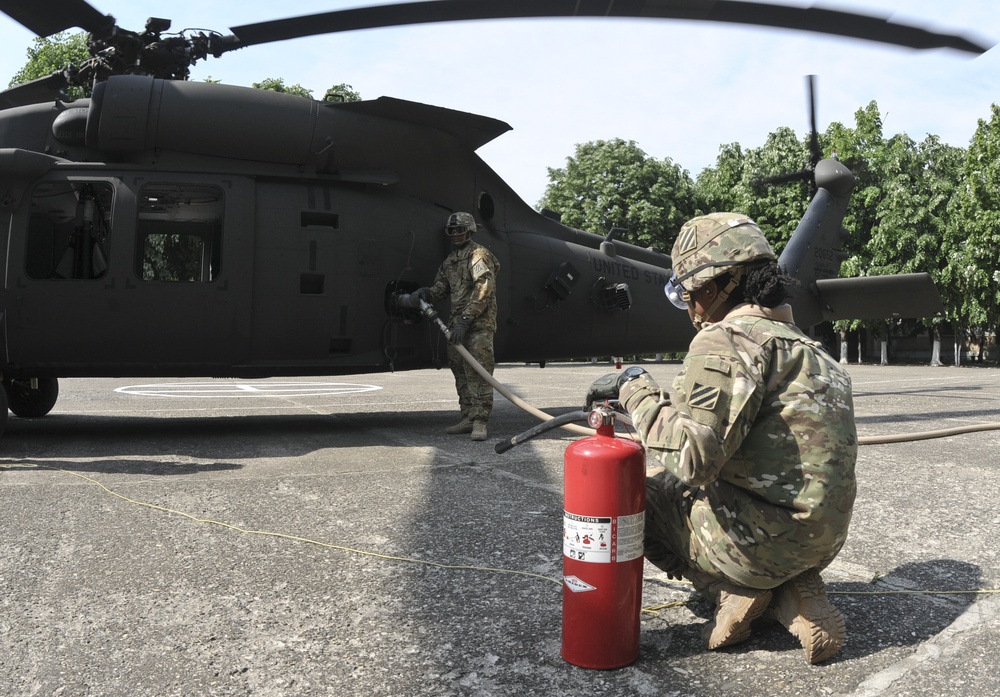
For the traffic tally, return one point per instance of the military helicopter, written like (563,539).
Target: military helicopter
(172,228)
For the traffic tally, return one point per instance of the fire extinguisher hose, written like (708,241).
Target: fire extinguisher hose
(553,422)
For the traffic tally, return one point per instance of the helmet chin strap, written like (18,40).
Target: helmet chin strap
(700,320)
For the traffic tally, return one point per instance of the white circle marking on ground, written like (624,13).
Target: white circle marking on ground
(222,390)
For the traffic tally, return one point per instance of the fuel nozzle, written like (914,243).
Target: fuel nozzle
(431,314)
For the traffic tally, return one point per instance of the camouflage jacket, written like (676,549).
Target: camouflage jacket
(762,423)
(468,276)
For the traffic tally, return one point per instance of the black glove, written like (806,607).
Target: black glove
(456,335)
(608,386)
(411,301)
(604,388)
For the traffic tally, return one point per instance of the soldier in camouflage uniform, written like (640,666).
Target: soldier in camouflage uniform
(468,276)
(757,444)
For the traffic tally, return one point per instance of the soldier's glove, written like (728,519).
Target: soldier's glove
(411,301)
(456,335)
(608,386)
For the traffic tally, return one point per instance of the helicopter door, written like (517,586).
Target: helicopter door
(121,280)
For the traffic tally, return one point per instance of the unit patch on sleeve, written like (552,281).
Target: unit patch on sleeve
(479,269)
(704,396)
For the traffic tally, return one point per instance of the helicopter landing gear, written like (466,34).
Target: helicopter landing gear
(30,402)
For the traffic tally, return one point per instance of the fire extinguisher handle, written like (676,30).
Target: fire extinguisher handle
(555,422)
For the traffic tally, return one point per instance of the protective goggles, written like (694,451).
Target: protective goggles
(453,230)
(676,294)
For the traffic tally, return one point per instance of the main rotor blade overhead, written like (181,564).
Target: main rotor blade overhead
(858,26)
(53,16)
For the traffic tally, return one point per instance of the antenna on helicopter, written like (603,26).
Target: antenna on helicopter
(608,248)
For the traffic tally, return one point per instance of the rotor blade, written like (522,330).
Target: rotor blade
(53,16)
(37,91)
(814,154)
(802,175)
(868,27)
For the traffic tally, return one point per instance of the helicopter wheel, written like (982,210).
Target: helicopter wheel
(28,403)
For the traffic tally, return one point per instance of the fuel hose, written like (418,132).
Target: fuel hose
(431,314)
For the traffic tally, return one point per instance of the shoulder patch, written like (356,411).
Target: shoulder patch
(480,268)
(704,396)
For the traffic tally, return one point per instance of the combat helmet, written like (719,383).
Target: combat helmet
(709,246)
(460,223)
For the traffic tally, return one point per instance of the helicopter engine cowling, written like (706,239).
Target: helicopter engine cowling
(134,113)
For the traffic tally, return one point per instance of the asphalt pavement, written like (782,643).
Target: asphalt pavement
(324,536)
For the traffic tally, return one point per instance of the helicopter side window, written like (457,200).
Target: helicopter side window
(68,227)
(179,233)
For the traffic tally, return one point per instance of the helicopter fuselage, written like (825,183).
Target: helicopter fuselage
(195,229)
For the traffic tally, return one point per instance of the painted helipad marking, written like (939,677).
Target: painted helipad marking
(223,390)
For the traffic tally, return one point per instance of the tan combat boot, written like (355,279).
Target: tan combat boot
(801,605)
(736,608)
(479,430)
(463,426)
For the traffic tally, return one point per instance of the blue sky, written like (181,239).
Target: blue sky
(679,89)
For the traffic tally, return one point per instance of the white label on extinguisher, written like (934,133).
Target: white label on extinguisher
(578,586)
(602,540)
(587,538)
(630,533)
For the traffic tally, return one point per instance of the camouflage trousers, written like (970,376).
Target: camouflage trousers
(475,395)
(673,545)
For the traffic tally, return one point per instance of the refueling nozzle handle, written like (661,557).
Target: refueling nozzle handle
(431,314)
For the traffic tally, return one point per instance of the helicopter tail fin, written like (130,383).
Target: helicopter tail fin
(815,253)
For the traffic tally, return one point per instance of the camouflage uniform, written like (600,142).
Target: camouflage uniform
(758,450)
(468,275)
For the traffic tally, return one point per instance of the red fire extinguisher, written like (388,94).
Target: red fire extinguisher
(604,512)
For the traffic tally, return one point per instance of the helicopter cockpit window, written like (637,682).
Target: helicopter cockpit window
(180,233)
(68,230)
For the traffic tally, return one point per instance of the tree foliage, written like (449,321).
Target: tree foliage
(50,54)
(917,207)
(277,84)
(971,242)
(337,93)
(342,93)
(613,183)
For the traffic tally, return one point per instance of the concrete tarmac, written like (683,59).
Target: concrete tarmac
(324,536)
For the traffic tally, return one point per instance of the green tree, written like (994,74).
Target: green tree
(972,240)
(338,93)
(720,187)
(277,84)
(613,183)
(736,183)
(50,54)
(342,93)
(858,147)
(777,208)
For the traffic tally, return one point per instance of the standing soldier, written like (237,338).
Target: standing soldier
(468,275)
(757,442)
